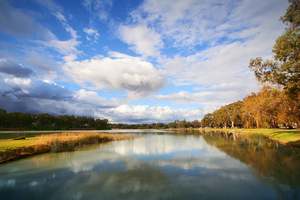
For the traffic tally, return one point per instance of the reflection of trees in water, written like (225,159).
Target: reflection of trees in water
(269,158)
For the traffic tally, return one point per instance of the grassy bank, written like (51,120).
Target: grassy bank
(11,149)
(285,136)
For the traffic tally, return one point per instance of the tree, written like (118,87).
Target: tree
(292,15)
(173,124)
(196,124)
(3,118)
(220,117)
(160,126)
(44,120)
(285,68)
(19,120)
(228,115)
(233,111)
(101,124)
(270,106)
(182,124)
(207,120)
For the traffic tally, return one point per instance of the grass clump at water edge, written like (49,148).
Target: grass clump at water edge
(69,141)
(289,137)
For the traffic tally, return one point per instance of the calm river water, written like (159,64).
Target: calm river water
(160,165)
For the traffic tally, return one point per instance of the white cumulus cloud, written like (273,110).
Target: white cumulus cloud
(137,77)
(143,40)
(150,114)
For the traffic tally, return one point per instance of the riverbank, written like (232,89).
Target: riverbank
(289,137)
(14,149)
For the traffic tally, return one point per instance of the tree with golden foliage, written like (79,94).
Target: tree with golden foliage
(284,70)
(270,106)
(263,109)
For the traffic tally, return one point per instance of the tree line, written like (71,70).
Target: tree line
(270,107)
(175,125)
(44,121)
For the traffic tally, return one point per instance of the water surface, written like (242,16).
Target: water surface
(160,165)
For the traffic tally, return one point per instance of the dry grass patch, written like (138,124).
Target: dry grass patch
(60,142)
(69,141)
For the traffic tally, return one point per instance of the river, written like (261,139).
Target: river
(160,165)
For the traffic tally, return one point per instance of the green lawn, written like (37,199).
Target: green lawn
(10,144)
(284,136)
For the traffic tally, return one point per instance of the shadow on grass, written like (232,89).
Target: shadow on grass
(294,143)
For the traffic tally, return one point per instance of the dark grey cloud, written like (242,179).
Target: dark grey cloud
(30,98)
(12,68)
(41,90)
(40,97)
(52,107)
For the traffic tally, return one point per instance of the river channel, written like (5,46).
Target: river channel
(160,165)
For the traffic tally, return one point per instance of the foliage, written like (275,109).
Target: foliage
(44,121)
(228,115)
(207,120)
(196,124)
(283,71)
(261,110)
(270,106)
(173,125)
(292,15)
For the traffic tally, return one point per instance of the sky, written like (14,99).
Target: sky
(132,61)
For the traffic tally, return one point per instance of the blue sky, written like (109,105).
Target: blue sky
(132,61)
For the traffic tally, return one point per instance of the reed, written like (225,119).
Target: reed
(70,141)
(60,142)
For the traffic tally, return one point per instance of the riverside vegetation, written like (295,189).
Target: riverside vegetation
(289,137)
(12,149)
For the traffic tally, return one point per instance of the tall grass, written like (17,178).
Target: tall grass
(69,141)
(60,142)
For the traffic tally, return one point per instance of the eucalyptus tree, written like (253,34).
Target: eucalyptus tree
(3,118)
(228,115)
(196,124)
(284,70)
(268,107)
(207,120)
